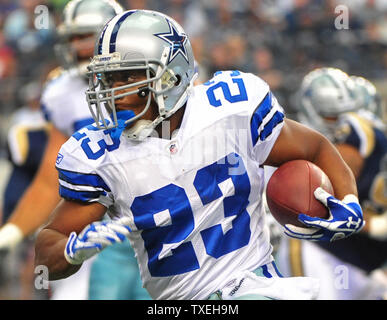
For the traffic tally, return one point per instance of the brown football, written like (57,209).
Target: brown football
(290,192)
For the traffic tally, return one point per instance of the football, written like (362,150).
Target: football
(290,192)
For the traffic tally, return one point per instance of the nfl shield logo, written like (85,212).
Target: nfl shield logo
(173,148)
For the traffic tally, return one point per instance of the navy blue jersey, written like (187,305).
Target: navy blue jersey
(26,144)
(359,132)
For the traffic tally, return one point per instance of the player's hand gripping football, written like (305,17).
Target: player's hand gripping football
(94,238)
(345,218)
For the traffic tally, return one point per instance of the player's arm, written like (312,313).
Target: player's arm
(352,157)
(346,217)
(51,241)
(297,141)
(40,198)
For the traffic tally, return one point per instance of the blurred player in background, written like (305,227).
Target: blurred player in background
(64,104)
(192,211)
(348,111)
(27,137)
(372,107)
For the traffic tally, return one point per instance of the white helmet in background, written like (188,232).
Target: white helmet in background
(141,40)
(370,98)
(82,17)
(325,94)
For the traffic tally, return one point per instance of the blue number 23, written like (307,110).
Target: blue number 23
(168,251)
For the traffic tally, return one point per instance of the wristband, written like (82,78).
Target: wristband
(68,250)
(378,227)
(10,236)
(350,198)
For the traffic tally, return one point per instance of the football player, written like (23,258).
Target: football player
(372,106)
(190,202)
(27,137)
(65,105)
(346,110)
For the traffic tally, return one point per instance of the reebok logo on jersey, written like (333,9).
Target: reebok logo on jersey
(236,287)
(59,158)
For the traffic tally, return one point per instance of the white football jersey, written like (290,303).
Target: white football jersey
(64,102)
(194,201)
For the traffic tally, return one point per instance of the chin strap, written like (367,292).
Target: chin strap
(140,130)
(122,117)
(144,128)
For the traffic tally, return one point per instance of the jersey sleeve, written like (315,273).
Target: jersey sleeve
(266,118)
(79,180)
(357,132)
(26,145)
(64,104)
(54,105)
(27,138)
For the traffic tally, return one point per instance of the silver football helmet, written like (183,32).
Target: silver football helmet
(141,40)
(326,93)
(370,98)
(82,17)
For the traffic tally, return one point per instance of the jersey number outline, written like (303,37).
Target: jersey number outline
(168,251)
(103,145)
(242,96)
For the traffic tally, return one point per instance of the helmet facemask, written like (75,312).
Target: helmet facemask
(101,95)
(133,41)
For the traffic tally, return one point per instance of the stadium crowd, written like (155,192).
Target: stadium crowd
(278,40)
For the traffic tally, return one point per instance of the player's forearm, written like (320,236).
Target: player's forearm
(299,142)
(35,206)
(328,158)
(49,251)
(42,195)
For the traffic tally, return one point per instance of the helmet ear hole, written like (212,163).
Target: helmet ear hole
(178,81)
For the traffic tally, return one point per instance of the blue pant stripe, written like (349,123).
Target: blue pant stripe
(276,270)
(266,272)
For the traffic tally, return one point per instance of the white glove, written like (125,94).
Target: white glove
(378,227)
(10,236)
(94,238)
(345,218)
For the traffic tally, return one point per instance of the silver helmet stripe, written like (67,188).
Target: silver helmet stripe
(141,40)
(75,10)
(107,33)
(102,37)
(113,37)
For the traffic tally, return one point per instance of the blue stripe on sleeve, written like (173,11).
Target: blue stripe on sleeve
(83,179)
(260,113)
(84,196)
(277,118)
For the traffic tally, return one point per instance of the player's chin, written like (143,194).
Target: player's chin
(123,107)
(123,104)
(129,104)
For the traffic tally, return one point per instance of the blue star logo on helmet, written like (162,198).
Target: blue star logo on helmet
(176,40)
